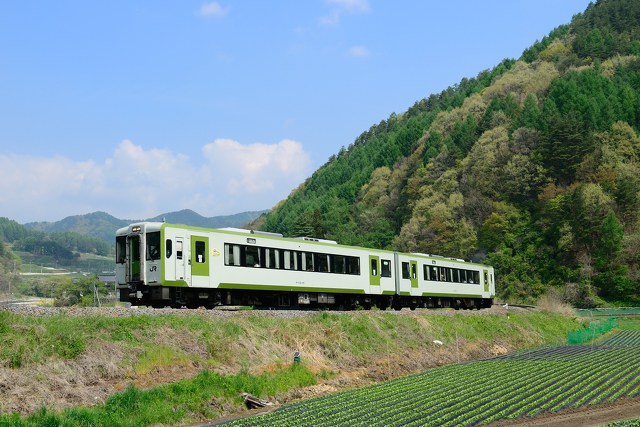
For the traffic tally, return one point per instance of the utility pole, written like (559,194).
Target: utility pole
(96,296)
(11,280)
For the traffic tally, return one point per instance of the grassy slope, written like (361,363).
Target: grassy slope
(121,362)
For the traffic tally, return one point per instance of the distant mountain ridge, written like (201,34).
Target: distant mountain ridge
(103,225)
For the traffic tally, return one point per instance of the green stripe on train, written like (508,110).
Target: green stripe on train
(287,288)
(431,294)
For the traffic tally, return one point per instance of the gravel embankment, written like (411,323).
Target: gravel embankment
(39,311)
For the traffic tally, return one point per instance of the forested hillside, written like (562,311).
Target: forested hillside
(533,167)
(104,226)
(62,246)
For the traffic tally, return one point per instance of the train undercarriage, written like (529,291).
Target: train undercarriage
(176,297)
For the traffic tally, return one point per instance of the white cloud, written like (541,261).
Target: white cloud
(340,7)
(351,5)
(359,51)
(332,19)
(250,169)
(213,9)
(137,183)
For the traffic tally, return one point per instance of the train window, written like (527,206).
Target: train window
(288,260)
(251,256)
(295,260)
(121,249)
(353,265)
(168,245)
(338,264)
(405,270)
(374,267)
(231,254)
(470,276)
(386,268)
(179,249)
(433,272)
(201,252)
(307,261)
(476,277)
(273,258)
(153,245)
(297,263)
(228,254)
(414,273)
(323,263)
(463,276)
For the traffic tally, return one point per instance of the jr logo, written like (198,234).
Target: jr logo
(153,268)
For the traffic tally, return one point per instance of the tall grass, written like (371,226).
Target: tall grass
(181,402)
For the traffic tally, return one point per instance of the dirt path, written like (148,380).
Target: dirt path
(589,416)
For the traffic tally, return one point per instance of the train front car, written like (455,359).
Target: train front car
(138,262)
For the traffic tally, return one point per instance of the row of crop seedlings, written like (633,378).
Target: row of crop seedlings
(530,399)
(513,388)
(551,353)
(384,394)
(478,392)
(440,409)
(586,374)
(436,402)
(535,392)
(624,338)
(515,400)
(390,398)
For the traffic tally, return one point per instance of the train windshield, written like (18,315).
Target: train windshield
(121,249)
(153,245)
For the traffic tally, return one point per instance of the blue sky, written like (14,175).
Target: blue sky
(138,108)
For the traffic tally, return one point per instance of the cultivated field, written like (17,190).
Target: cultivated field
(477,393)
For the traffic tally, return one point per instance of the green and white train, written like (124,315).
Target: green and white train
(160,264)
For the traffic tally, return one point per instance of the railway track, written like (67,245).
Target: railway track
(37,310)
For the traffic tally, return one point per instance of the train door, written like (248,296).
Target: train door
(179,260)
(133,255)
(374,272)
(486,280)
(200,260)
(414,273)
